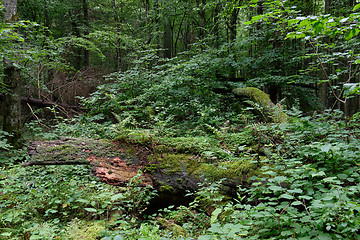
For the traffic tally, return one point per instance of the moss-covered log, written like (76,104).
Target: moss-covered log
(269,109)
(170,169)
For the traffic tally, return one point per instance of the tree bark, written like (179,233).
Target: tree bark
(168,39)
(86,31)
(327,6)
(11,13)
(117,26)
(11,100)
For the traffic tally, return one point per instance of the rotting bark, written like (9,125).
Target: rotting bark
(43,163)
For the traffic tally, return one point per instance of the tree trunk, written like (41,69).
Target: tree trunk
(11,100)
(117,24)
(168,39)
(327,6)
(77,52)
(323,88)
(86,31)
(12,106)
(202,15)
(10,7)
(232,24)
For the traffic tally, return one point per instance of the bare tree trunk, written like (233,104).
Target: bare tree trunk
(233,23)
(11,100)
(117,24)
(86,31)
(168,39)
(323,89)
(327,6)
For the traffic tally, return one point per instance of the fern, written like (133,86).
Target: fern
(257,107)
(124,126)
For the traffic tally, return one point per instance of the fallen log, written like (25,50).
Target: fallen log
(272,111)
(41,163)
(46,103)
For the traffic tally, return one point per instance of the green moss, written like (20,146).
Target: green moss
(166,189)
(256,94)
(163,149)
(86,231)
(151,168)
(64,149)
(176,230)
(193,145)
(240,170)
(264,101)
(171,163)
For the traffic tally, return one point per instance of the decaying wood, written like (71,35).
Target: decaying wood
(46,103)
(76,162)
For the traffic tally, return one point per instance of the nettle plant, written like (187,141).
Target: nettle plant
(308,188)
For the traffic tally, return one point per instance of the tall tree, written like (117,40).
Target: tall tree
(11,99)
(85,6)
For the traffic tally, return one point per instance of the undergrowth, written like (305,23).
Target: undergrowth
(306,187)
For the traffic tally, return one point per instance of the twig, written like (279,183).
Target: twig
(325,74)
(283,210)
(38,120)
(312,224)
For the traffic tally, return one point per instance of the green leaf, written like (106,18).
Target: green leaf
(304,23)
(342,176)
(117,196)
(297,190)
(205,237)
(286,233)
(275,188)
(215,228)
(357,6)
(326,148)
(324,236)
(6,234)
(286,196)
(296,203)
(331,180)
(318,27)
(118,237)
(305,197)
(82,200)
(318,174)
(91,210)
(328,198)
(256,18)
(349,35)
(215,214)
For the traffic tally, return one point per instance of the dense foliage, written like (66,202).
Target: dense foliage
(307,187)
